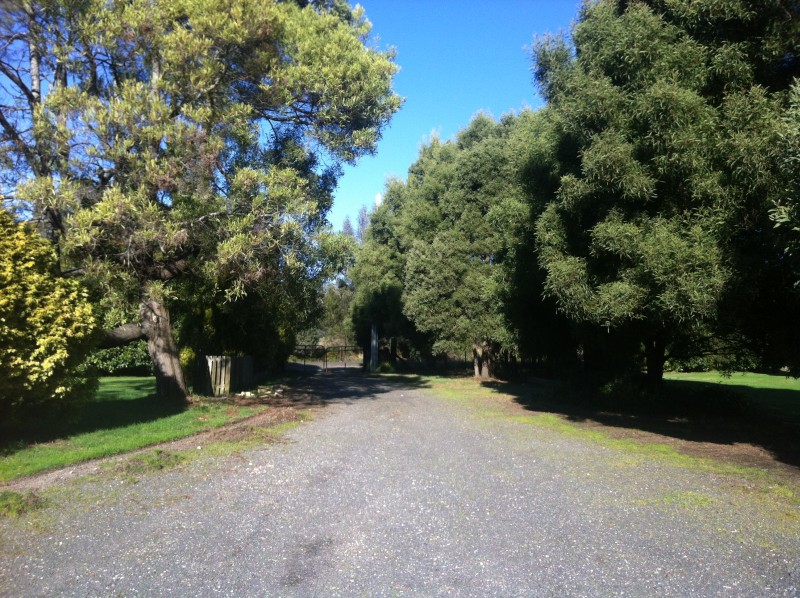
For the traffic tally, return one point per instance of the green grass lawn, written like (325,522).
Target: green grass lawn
(748,379)
(124,416)
(775,394)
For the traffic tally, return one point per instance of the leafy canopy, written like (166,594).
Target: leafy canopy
(159,142)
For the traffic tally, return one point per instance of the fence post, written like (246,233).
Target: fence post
(373,358)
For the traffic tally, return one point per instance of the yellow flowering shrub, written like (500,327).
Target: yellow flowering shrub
(46,329)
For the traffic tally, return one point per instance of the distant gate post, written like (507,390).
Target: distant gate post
(373,358)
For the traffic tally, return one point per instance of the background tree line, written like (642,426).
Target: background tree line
(648,213)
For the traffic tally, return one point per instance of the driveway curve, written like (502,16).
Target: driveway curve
(394,491)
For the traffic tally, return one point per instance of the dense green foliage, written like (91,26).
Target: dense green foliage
(131,359)
(181,158)
(786,213)
(336,321)
(668,131)
(463,211)
(433,270)
(629,222)
(46,327)
(188,148)
(378,278)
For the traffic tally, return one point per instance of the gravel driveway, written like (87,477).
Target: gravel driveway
(392,491)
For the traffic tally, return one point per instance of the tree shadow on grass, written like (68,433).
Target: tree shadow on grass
(696,412)
(120,402)
(104,414)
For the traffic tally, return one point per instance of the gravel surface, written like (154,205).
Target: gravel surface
(391,491)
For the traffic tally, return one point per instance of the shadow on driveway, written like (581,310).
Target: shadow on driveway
(310,386)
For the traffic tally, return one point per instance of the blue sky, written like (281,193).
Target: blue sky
(456,59)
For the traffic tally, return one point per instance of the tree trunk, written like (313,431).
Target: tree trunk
(163,351)
(35,56)
(482,359)
(487,359)
(655,353)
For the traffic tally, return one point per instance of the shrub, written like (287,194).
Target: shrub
(385,367)
(130,360)
(46,330)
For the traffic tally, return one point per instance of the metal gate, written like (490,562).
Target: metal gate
(346,355)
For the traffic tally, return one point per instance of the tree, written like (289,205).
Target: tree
(542,333)
(446,261)
(336,308)
(363,224)
(431,267)
(46,328)
(665,116)
(377,276)
(786,212)
(158,142)
(453,276)
(347,228)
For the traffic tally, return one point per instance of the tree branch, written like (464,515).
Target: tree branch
(23,147)
(16,80)
(121,336)
(172,270)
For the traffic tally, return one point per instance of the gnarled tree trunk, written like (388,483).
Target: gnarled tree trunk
(155,328)
(163,351)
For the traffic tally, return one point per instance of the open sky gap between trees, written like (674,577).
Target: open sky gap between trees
(168,168)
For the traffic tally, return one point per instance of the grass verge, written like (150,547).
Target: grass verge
(125,416)
(504,401)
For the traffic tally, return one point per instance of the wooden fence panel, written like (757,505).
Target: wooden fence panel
(225,375)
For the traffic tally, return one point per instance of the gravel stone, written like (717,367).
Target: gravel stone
(391,491)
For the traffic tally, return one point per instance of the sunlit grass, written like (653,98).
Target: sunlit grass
(749,379)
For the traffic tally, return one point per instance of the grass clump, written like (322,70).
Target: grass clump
(153,461)
(156,460)
(14,504)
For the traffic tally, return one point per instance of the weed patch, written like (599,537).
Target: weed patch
(14,504)
(156,460)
